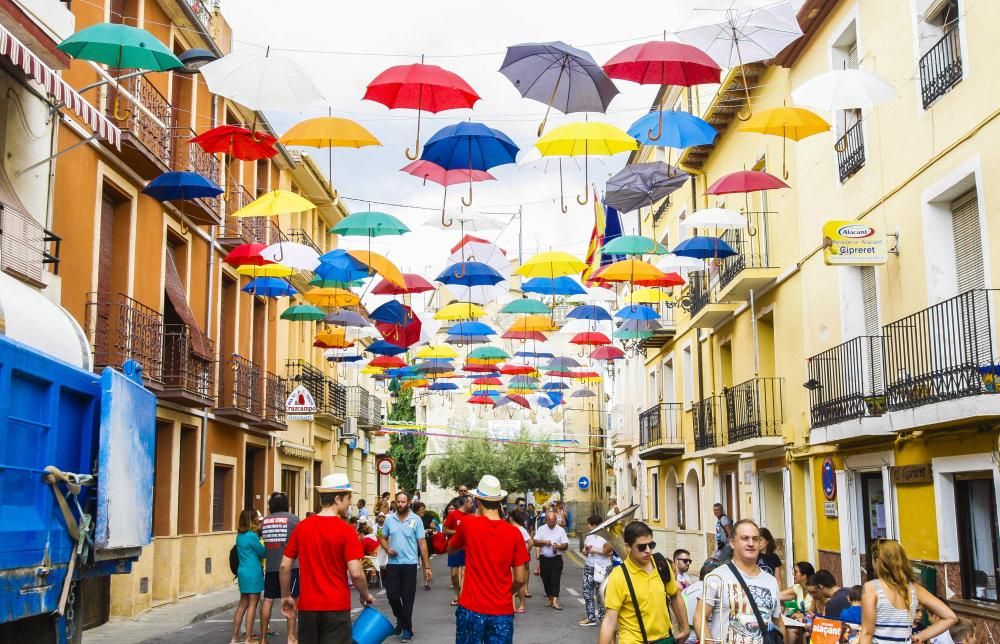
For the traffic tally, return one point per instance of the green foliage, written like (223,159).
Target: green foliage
(520,467)
(407,449)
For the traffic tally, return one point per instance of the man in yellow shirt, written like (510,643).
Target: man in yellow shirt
(651,594)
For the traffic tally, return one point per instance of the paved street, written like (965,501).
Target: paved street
(434,618)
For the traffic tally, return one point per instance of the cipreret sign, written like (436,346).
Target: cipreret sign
(854,243)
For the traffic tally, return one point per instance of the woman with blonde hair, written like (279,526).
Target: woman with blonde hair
(250,573)
(890,603)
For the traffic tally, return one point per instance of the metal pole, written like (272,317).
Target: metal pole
(753,326)
(520,234)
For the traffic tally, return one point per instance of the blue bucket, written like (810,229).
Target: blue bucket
(371,627)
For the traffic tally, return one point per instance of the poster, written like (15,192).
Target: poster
(854,243)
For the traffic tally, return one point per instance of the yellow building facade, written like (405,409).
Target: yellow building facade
(836,404)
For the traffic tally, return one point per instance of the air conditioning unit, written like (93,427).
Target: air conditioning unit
(349,429)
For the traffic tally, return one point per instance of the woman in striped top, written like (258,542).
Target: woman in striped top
(890,603)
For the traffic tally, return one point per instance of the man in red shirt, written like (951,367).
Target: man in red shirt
(495,569)
(327,549)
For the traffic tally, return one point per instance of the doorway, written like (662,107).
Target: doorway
(253,479)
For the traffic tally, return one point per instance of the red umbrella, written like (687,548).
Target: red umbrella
(538,336)
(668,279)
(745,181)
(414,284)
(387,362)
(607,353)
(478,368)
(238,142)
(245,254)
(516,370)
(518,399)
(423,88)
(402,335)
(480,400)
(592,338)
(487,381)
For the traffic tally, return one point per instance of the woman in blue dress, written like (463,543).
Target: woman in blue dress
(250,574)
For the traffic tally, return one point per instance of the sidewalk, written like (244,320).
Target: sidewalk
(162,619)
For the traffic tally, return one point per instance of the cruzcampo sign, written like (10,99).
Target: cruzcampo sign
(854,243)
(300,404)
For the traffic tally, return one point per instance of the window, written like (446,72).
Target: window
(968,242)
(692,519)
(290,486)
(688,374)
(656,496)
(873,511)
(222,498)
(850,146)
(651,394)
(667,381)
(979,557)
(680,507)
(939,48)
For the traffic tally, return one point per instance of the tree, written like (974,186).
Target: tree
(520,466)
(406,449)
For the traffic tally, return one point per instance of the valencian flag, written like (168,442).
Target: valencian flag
(607,226)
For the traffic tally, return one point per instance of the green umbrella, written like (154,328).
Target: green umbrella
(525,305)
(322,283)
(303,313)
(633,245)
(369,224)
(489,353)
(121,47)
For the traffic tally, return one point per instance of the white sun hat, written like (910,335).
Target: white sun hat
(489,489)
(336,482)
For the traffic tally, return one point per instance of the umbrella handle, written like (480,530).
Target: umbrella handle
(449,222)
(659,129)
(562,197)
(416,152)
(469,202)
(118,114)
(746,85)
(586,182)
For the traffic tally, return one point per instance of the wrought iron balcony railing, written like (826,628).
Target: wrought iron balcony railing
(140,110)
(240,385)
(234,198)
(660,425)
(26,246)
(184,370)
(941,66)
(330,396)
(705,418)
(846,382)
(202,11)
(300,236)
(190,157)
(851,151)
(942,352)
(121,329)
(272,398)
(699,292)
(751,246)
(753,409)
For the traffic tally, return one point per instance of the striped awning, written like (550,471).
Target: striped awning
(295,450)
(61,92)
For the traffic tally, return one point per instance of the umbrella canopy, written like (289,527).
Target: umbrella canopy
(489,353)
(267,270)
(714,217)
(331,297)
(745,181)
(794,123)
(338,265)
(436,351)
(246,254)
(430,171)
(302,313)
(595,294)
(402,335)
(628,270)
(470,328)
(535,336)
(679,264)
(607,353)
(181,186)
(387,362)
(237,142)
(843,89)
(662,62)
(590,338)
(551,265)
(637,312)
(270,287)
(647,296)
(369,224)
(482,294)
(470,274)
(462,340)
(292,254)
(589,312)
(460,311)
(328,132)
(332,338)
(276,202)
(383,348)
(515,399)
(517,370)
(414,284)
(379,264)
(346,317)
(442,386)
(392,312)
(488,380)
(561,363)
(480,399)
(468,239)
(262,82)
(121,47)
(528,323)
(633,245)
(702,247)
(484,253)
(476,224)
(679,130)
(553,286)
(468,145)
(562,77)
(525,305)
(643,184)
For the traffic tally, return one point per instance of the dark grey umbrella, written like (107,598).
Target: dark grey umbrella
(345,317)
(560,76)
(643,184)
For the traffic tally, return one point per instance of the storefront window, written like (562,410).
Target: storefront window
(873,507)
(975,501)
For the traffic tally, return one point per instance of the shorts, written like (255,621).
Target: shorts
(272,584)
(456,560)
(476,628)
(324,627)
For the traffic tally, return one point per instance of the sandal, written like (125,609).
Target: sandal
(521,610)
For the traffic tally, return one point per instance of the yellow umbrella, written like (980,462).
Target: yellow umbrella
(437,351)
(329,132)
(333,338)
(331,297)
(584,139)
(795,123)
(531,323)
(380,264)
(276,202)
(267,270)
(551,265)
(368,370)
(460,311)
(630,270)
(647,296)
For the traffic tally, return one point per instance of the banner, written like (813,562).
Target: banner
(854,243)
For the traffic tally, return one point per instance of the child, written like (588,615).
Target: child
(852,614)
(964,632)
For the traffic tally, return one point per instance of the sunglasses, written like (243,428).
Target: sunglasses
(521,505)
(687,561)
(642,547)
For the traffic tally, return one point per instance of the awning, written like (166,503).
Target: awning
(201,345)
(33,67)
(295,450)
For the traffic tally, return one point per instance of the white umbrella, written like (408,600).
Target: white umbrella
(595,294)
(844,89)
(574,326)
(292,254)
(679,264)
(262,82)
(489,254)
(467,223)
(714,217)
(476,294)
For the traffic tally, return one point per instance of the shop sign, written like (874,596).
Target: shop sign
(854,243)
(904,474)
(829,478)
(386,466)
(300,404)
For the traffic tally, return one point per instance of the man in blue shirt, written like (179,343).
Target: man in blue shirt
(403,537)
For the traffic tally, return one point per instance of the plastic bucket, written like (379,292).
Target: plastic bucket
(371,627)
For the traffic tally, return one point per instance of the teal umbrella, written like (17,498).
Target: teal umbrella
(489,353)
(633,245)
(526,305)
(369,224)
(121,47)
(325,283)
(303,313)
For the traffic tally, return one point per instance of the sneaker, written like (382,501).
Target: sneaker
(398,630)
(405,636)
(586,622)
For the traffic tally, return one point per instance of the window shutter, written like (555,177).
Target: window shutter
(968,243)
(853,61)
(869,295)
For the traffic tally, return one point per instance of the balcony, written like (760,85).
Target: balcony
(272,403)
(850,150)
(701,299)
(358,405)
(144,116)
(330,396)
(191,158)
(244,230)
(26,247)
(188,378)
(121,329)
(660,432)
(846,391)
(667,330)
(240,389)
(202,12)
(300,236)
(753,414)
(941,67)
(750,269)
(705,419)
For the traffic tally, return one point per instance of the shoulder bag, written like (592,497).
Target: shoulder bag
(638,613)
(769,635)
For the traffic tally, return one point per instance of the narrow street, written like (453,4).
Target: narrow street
(434,618)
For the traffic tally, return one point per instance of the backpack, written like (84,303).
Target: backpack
(234,560)
(663,567)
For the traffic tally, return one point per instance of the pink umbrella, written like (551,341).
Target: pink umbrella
(745,181)
(429,170)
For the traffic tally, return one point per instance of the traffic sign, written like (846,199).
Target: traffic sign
(584,483)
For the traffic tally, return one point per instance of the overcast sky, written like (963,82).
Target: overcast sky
(468,38)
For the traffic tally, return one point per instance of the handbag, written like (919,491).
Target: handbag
(600,574)
(638,613)
(769,635)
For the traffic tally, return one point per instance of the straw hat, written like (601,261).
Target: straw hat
(489,489)
(335,483)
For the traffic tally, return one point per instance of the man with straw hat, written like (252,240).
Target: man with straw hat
(328,549)
(495,569)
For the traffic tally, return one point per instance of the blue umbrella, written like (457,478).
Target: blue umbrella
(492,393)
(589,312)
(638,312)
(680,130)
(340,266)
(532,355)
(466,329)
(400,372)
(270,287)
(383,348)
(345,358)
(181,186)
(558,286)
(554,386)
(442,386)
(703,247)
(470,274)
(550,400)
(392,312)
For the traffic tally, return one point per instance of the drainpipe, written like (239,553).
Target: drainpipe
(208,327)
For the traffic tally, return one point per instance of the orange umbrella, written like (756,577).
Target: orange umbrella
(381,265)
(629,270)
(530,323)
